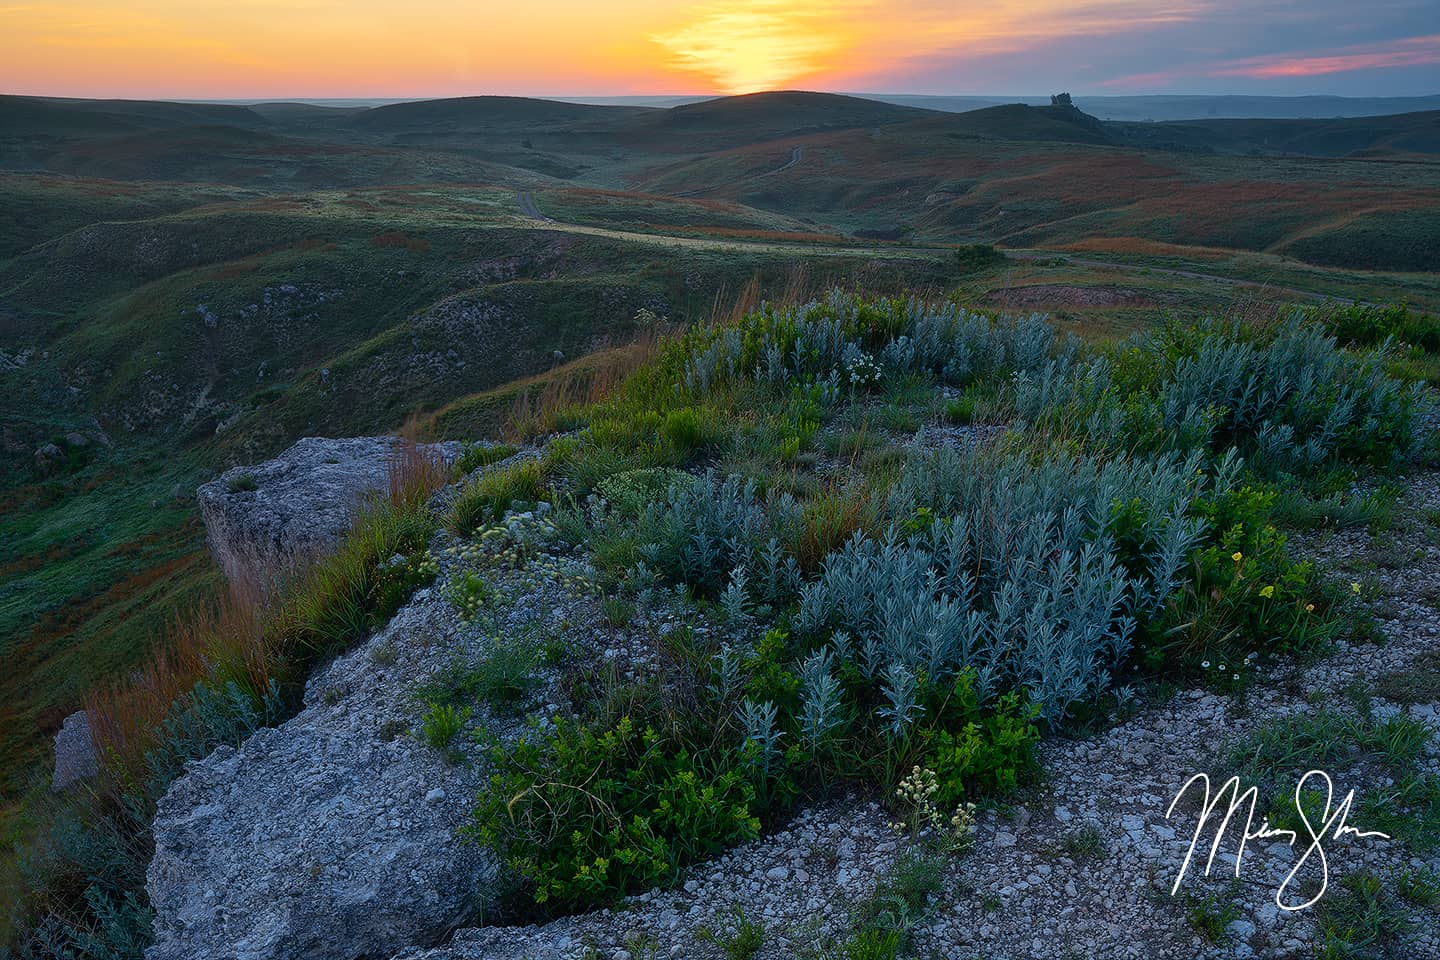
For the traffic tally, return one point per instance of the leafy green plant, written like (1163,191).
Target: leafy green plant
(584,814)
(397,579)
(469,594)
(442,723)
(243,483)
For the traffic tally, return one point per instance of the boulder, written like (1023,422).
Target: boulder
(263,520)
(75,758)
(330,837)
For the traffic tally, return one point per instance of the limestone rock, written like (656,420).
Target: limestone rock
(264,519)
(330,837)
(75,758)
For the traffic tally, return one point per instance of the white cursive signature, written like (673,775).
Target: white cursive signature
(1332,826)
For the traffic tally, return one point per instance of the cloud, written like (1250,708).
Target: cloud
(747,45)
(1409,52)
(1394,54)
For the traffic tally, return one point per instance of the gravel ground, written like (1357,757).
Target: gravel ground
(1084,867)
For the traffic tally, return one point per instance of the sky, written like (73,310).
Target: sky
(237,49)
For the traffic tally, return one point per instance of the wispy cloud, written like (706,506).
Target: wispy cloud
(1404,52)
(1409,52)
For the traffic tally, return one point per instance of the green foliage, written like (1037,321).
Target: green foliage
(988,754)
(502,678)
(486,498)
(442,723)
(469,594)
(1210,915)
(1247,596)
(881,924)
(740,938)
(243,483)
(585,813)
(970,257)
(397,579)
(1369,325)
(477,455)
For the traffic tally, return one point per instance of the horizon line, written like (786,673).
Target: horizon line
(714,96)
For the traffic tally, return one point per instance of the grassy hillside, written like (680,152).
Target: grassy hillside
(184,287)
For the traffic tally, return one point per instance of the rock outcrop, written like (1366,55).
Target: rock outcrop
(264,519)
(75,758)
(332,836)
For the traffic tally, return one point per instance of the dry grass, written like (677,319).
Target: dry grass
(544,406)
(245,634)
(415,473)
(126,720)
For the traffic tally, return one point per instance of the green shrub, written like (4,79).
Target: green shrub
(487,497)
(244,483)
(586,814)
(988,754)
(970,257)
(1367,325)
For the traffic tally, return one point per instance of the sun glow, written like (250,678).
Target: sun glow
(755,45)
(372,48)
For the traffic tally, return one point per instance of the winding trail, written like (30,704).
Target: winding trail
(526,202)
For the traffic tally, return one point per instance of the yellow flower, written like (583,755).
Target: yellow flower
(1268,592)
(1355,588)
(1309,608)
(1237,556)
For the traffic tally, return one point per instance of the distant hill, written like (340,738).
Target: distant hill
(1167,107)
(486,113)
(1416,133)
(1018,121)
(758,117)
(40,116)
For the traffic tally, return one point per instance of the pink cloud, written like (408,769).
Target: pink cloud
(1414,52)
(1409,52)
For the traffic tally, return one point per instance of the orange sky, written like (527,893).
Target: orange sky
(369,48)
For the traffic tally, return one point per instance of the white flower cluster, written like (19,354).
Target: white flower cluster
(923,820)
(862,370)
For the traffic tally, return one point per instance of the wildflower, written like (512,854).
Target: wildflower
(1309,608)
(1237,556)
(1355,588)
(1268,592)
(1234,676)
(1204,664)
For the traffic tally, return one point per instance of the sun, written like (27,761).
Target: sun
(755,44)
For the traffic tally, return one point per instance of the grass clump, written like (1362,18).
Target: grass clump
(486,499)
(739,939)
(477,455)
(242,483)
